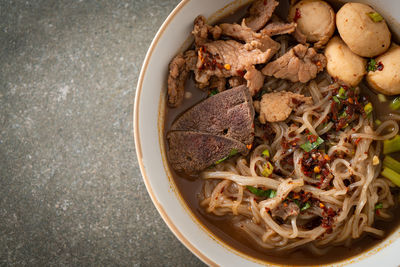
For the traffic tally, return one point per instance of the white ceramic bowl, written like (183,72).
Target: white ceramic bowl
(172,37)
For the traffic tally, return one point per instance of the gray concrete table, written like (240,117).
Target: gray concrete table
(70,188)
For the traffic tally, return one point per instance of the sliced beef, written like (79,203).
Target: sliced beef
(218,83)
(202,31)
(229,114)
(285,210)
(191,152)
(277,106)
(278,28)
(226,59)
(255,80)
(178,73)
(236,81)
(253,40)
(176,80)
(298,64)
(259,13)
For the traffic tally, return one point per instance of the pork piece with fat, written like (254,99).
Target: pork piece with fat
(298,64)
(277,106)
(259,13)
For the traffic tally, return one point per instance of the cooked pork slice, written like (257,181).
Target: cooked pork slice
(278,28)
(253,40)
(226,59)
(298,64)
(191,152)
(202,31)
(255,80)
(277,106)
(236,81)
(229,114)
(260,12)
(299,36)
(218,83)
(176,80)
(191,59)
(178,73)
(285,211)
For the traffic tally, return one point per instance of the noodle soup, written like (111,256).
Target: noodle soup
(310,188)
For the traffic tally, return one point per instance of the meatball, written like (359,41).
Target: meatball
(315,19)
(386,78)
(343,63)
(360,32)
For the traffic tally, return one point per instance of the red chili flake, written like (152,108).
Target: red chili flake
(265,2)
(240,73)
(357,141)
(380,66)
(312,138)
(297,15)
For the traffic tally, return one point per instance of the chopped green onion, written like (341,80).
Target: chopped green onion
(382,98)
(391,175)
(214,92)
(270,193)
(375,16)
(391,163)
(368,108)
(336,99)
(371,66)
(342,93)
(233,152)
(391,145)
(307,146)
(266,153)
(305,206)
(378,206)
(268,169)
(343,115)
(395,103)
(378,122)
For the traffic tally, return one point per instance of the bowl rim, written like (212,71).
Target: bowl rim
(359,258)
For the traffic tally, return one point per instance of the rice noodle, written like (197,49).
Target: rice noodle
(350,193)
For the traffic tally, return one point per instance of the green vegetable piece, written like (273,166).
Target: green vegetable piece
(214,92)
(382,98)
(368,108)
(336,99)
(342,93)
(375,16)
(266,153)
(232,153)
(391,145)
(391,163)
(270,193)
(378,122)
(307,146)
(268,169)
(395,105)
(372,65)
(306,205)
(378,206)
(391,175)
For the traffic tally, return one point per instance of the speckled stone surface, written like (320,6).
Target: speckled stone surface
(71,192)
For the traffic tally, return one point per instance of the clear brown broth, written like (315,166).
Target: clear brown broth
(221,227)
